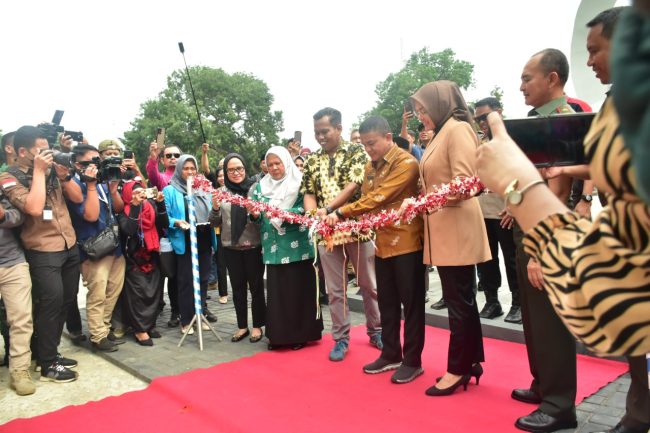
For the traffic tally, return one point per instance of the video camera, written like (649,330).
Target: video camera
(52,130)
(108,169)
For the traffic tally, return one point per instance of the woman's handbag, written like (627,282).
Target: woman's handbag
(104,242)
(167,258)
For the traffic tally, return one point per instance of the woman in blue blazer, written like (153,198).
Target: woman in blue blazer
(175,200)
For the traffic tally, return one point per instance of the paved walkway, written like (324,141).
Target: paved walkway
(106,374)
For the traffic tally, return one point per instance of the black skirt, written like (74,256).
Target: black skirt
(142,296)
(291,304)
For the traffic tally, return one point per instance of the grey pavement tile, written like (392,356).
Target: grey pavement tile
(589,428)
(609,411)
(617,400)
(588,407)
(595,399)
(582,416)
(606,420)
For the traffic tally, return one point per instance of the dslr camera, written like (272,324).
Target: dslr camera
(52,130)
(108,170)
(62,158)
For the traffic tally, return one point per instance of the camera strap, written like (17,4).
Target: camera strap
(106,198)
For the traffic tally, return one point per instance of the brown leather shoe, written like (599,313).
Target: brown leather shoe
(526,395)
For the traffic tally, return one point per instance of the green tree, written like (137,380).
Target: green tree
(421,68)
(235,112)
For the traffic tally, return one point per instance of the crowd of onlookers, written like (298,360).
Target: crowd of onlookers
(128,236)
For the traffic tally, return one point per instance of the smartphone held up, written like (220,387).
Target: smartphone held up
(551,140)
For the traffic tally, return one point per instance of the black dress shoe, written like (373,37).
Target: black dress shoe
(540,422)
(173,322)
(115,340)
(148,342)
(77,337)
(153,333)
(526,395)
(440,305)
(620,428)
(514,315)
(491,310)
(208,315)
(256,338)
(235,338)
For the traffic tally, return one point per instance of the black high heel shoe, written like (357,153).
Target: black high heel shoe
(476,371)
(437,392)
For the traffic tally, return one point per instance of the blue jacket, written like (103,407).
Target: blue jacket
(175,204)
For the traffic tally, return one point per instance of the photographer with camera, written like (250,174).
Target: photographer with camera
(50,243)
(102,264)
(128,167)
(110,154)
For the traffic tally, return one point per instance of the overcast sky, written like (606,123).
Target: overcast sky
(99,61)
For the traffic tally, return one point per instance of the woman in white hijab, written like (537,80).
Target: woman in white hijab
(288,254)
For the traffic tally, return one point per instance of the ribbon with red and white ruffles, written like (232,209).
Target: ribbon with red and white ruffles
(429,203)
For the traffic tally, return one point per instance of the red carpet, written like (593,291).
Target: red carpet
(299,392)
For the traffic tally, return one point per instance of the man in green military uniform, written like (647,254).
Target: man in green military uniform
(551,348)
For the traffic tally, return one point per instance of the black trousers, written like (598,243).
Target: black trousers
(246,271)
(222,270)
(400,281)
(73,318)
(637,404)
(466,339)
(55,283)
(551,347)
(489,274)
(185,281)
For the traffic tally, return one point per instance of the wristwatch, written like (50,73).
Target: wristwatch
(586,197)
(514,196)
(329,210)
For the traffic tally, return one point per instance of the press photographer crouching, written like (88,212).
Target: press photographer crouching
(50,243)
(102,264)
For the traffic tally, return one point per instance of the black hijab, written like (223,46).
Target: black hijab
(238,214)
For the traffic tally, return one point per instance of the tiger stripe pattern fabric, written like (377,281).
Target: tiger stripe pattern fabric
(597,274)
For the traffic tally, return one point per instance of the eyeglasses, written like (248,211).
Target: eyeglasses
(481,118)
(172,155)
(236,170)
